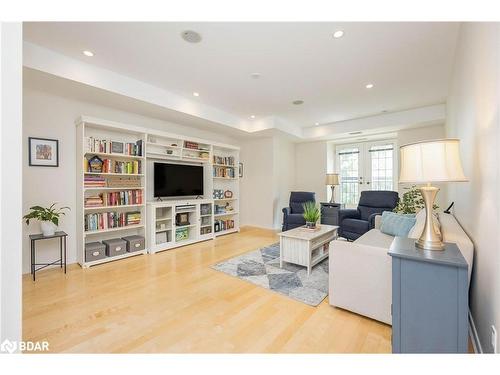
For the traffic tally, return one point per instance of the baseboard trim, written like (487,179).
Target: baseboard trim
(476,343)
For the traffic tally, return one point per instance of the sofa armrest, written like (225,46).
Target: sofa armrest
(286,211)
(371,220)
(348,213)
(360,279)
(377,221)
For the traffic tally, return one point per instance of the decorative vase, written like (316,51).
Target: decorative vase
(48,228)
(310,224)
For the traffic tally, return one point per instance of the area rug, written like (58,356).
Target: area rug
(262,267)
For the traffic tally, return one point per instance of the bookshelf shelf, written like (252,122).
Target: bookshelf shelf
(113,207)
(122,156)
(226,214)
(126,227)
(114,174)
(113,188)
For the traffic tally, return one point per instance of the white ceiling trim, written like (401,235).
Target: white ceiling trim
(51,62)
(48,61)
(411,118)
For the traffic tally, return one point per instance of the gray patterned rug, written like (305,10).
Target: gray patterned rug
(262,267)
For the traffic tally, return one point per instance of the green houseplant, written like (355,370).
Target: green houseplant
(311,214)
(48,217)
(411,202)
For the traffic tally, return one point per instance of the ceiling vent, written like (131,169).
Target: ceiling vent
(191,36)
(355,133)
(298,102)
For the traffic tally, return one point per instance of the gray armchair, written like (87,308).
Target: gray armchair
(353,223)
(292,215)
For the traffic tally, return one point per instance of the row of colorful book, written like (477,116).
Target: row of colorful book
(108,220)
(116,198)
(99,165)
(224,172)
(224,160)
(108,146)
(221,225)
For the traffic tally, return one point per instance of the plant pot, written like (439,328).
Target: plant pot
(310,224)
(48,228)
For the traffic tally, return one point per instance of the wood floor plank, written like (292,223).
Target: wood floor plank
(173,302)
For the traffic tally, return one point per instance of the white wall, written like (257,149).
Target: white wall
(256,186)
(50,116)
(473,117)
(284,176)
(311,167)
(11,185)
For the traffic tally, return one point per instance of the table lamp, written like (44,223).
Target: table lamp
(332,179)
(427,162)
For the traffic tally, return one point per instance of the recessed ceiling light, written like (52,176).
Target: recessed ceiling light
(369,86)
(255,75)
(88,53)
(298,102)
(196,93)
(316,123)
(191,36)
(338,34)
(252,116)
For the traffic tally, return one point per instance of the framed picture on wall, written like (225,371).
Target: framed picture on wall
(43,152)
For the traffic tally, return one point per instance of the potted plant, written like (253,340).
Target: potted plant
(412,201)
(311,214)
(48,217)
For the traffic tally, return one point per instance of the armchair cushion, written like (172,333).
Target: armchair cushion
(355,226)
(296,219)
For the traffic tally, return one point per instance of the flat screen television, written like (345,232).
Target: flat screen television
(177,180)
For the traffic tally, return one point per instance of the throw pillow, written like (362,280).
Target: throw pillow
(395,224)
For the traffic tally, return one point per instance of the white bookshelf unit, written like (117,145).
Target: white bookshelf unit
(214,214)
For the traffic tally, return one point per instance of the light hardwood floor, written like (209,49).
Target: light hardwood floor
(173,302)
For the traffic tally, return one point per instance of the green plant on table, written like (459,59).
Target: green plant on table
(311,212)
(51,214)
(411,202)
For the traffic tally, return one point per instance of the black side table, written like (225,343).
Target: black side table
(330,213)
(35,237)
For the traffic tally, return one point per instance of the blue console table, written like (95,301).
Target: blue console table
(429,299)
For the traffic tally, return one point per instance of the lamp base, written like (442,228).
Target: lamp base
(332,199)
(429,239)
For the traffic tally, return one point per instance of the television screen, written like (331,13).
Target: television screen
(177,180)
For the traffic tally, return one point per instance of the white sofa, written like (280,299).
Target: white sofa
(360,271)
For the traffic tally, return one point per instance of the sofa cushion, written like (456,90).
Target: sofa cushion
(355,225)
(375,238)
(296,219)
(395,224)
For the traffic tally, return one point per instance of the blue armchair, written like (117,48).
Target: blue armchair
(354,223)
(292,215)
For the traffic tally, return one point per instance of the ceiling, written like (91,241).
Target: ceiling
(409,64)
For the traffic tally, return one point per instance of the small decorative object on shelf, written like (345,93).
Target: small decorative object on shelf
(240,170)
(48,217)
(181,234)
(95,164)
(182,219)
(43,152)
(228,194)
(117,147)
(228,207)
(218,194)
(204,155)
(191,145)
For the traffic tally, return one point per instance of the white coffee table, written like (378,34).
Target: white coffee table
(306,247)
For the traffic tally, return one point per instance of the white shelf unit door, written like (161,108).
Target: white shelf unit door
(123,193)
(226,189)
(165,234)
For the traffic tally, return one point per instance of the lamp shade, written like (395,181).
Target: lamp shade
(431,161)
(332,179)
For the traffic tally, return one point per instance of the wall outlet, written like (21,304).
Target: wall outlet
(494,339)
